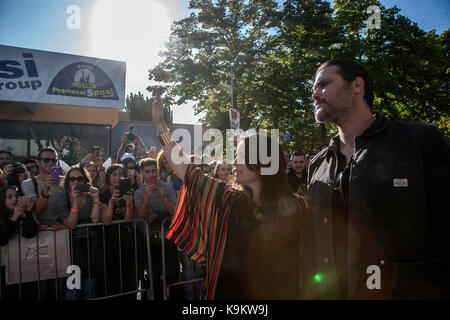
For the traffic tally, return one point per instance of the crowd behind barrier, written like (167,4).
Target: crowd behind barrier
(111,232)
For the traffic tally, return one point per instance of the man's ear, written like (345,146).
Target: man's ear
(358,85)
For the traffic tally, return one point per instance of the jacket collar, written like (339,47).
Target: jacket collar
(380,123)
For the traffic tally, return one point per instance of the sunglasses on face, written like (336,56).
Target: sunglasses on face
(79,179)
(47,160)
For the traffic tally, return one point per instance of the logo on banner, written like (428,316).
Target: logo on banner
(83,80)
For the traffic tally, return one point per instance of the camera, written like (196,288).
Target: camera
(71,140)
(95,150)
(13,179)
(83,187)
(131,136)
(17,168)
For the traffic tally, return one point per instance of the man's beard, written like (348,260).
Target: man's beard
(337,111)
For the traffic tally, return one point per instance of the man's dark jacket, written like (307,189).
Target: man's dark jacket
(398,215)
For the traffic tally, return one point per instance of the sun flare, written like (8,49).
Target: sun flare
(133,31)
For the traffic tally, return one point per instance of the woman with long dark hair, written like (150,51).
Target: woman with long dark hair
(16,216)
(248,237)
(73,207)
(119,239)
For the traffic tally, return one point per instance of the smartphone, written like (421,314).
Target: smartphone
(83,187)
(153,180)
(22,201)
(55,172)
(95,150)
(125,186)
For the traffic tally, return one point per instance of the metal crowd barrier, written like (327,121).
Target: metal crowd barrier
(47,258)
(167,286)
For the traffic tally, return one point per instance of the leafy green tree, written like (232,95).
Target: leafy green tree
(283,46)
(409,66)
(202,49)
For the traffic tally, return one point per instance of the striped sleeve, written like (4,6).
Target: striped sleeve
(200,223)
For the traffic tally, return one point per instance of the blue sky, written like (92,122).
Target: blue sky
(107,30)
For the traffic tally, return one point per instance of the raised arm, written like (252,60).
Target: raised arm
(164,136)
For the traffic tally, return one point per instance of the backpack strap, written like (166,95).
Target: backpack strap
(35,184)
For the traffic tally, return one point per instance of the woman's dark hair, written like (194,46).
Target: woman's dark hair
(349,70)
(111,169)
(274,187)
(4,211)
(84,173)
(47,149)
(126,161)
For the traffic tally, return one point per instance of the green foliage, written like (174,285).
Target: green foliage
(139,108)
(283,45)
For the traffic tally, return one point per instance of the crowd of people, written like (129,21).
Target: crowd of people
(33,200)
(248,235)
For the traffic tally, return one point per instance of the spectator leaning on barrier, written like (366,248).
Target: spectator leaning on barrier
(74,206)
(155,201)
(118,207)
(16,217)
(378,196)
(15,213)
(41,188)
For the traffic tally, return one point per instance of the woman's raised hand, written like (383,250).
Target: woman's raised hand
(157,111)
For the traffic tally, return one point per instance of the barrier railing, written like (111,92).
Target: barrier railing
(50,257)
(167,286)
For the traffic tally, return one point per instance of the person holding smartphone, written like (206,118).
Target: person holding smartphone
(41,187)
(12,215)
(155,201)
(16,216)
(78,203)
(117,204)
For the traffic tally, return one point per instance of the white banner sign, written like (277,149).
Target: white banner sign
(49,77)
(54,257)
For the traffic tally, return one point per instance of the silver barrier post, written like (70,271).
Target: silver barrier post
(120,258)
(89,262)
(104,260)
